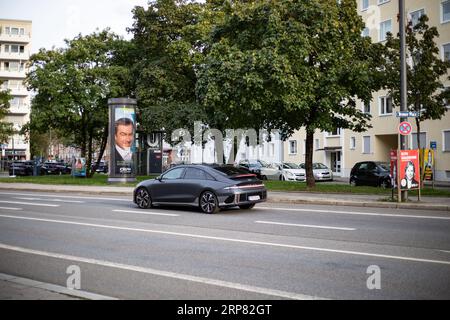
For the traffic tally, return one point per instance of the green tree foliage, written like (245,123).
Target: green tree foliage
(73,86)
(290,64)
(6,128)
(168,47)
(425,72)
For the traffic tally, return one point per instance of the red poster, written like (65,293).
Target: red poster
(409,169)
(393,168)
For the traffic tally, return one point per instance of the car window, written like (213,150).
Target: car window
(384,166)
(302,166)
(173,174)
(230,171)
(363,166)
(290,166)
(319,166)
(371,166)
(195,174)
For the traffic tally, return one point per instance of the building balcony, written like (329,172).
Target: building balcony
(26,38)
(20,92)
(23,56)
(12,74)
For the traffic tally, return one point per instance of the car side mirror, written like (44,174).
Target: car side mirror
(158,178)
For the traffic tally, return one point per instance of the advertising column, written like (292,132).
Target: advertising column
(122,141)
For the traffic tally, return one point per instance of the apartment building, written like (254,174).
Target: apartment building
(15,47)
(341,149)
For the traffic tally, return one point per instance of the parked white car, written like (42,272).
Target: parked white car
(291,172)
(321,172)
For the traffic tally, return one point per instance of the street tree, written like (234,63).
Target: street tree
(168,46)
(290,64)
(6,128)
(73,85)
(426,72)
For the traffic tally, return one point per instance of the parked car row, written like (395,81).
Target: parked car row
(29,168)
(285,171)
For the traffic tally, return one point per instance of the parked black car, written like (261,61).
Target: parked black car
(254,166)
(207,187)
(371,173)
(102,167)
(21,168)
(55,168)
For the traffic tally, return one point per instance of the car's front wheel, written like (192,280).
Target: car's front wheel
(353,182)
(209,203)
(143,199)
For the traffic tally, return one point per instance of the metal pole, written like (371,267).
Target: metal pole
(403,80)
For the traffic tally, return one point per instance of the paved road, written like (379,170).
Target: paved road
(274,251)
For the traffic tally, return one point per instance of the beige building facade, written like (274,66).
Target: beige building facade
(341,149)
(15,48)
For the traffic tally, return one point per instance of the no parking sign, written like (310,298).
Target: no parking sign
(404,128)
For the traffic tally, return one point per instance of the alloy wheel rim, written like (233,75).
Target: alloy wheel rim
(142,198)
(208,202)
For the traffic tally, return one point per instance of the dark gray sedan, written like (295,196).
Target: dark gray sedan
(209,187)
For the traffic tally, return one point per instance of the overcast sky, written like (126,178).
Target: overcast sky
(56,20)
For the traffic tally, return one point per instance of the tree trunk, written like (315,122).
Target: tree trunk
(89,172)
(102,148)
(310,182)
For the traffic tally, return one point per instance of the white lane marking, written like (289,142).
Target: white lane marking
(305,225)
(61,196)
(31,204)
(445,251)
(271,244)
(356,213)
(7,208)
(168,274)
(52,200)
(148,213)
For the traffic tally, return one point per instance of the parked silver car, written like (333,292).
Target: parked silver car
(321,172)
(291,172)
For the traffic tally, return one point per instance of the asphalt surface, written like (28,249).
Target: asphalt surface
(275,251)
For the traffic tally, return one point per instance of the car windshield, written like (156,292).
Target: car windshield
(290,166)
(230,170)
(384,166)
(319,166)
(302,166)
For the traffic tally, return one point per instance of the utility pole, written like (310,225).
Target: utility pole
(403,80)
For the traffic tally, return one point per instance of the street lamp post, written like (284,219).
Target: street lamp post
(403,80)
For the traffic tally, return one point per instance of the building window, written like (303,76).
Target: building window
(423,140)
(415,16)
(445,8)
(293,147)
(6,47)
(385,27)
(366,144)
(446,52)
(383,1)
(335,132)
(365,107)
(304,146)
(317,143)
(385,106)
(364,5)
(352,143)
(446,144)
(365,32)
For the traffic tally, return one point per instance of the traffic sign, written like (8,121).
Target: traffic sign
(404,128)
(433,145)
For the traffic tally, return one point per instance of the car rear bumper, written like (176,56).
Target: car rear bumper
(242,197)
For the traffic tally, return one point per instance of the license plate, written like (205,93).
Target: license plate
(253,198)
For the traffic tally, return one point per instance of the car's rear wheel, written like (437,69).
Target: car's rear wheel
(143,199)
(384,184)
(247,206)
(209,203)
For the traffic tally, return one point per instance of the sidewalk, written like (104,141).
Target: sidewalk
(334,199)
(16,288)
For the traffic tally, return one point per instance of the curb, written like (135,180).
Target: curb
(369,204)
(271,199)
(54,288)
